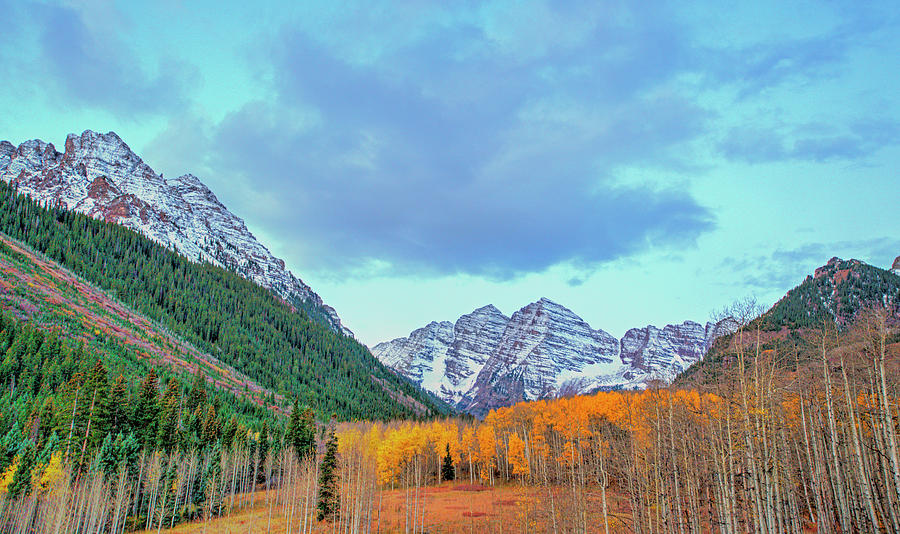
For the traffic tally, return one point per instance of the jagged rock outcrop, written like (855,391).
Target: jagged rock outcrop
(545,350)
(486,360)
(99,175)
(444,357)
(665,351)
(895,267)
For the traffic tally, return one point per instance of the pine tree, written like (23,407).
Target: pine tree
(447,471)
(146,410)
(197,396)
(169,417)
(118,406)
(326,504)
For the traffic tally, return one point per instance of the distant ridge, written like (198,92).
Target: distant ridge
(485,359)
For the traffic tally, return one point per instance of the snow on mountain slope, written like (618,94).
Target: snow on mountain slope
(99,175)
(487,360)
(545,350)
(667,351)
(444,357)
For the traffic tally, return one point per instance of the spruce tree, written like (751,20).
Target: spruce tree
(169,417)
(96,395)
(210,427)
(447,471)
(326,504)
(263,452)
(197,396)
(118,406)
(108,456)
(146,410)
(9,446)
(301,430)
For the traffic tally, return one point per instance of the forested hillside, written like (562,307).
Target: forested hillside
(835,293)
(833,297)
(240,323)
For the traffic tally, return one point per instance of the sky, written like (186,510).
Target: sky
(638,162)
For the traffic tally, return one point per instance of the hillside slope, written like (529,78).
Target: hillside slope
(39,291)
(836,292)
(238,322)
(100,176)
(833,296)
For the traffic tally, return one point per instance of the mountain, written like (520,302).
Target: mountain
(834,295)
(244,326)
(835,292)
(100,176)
(444,357)
(895,267)
(486,360)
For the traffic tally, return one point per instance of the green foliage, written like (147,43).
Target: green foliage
(21,483)
(145,418)
(326,503)
(837,292)
(301,431)
(167,435)
(447,471)
(241,323)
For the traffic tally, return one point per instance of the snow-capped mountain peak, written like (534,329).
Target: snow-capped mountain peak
(99,175)
(487,360)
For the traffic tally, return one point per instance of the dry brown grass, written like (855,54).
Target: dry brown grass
(450,508)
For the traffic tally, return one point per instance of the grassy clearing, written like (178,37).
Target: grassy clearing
(449,508)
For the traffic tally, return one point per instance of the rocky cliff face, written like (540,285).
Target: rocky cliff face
(486,360)
(665,351)
(895,267)
(99,175)
(444,357)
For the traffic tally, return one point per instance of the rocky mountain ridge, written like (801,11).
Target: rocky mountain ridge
(486,359)
(99,175)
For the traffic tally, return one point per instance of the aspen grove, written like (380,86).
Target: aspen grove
(793,437)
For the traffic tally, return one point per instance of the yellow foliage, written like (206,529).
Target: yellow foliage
(516,455)
(8,475)
(52,474)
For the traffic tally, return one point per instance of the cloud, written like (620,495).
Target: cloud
(94,66)
(440,140)
(785,268)
(755,144)
(422,174)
